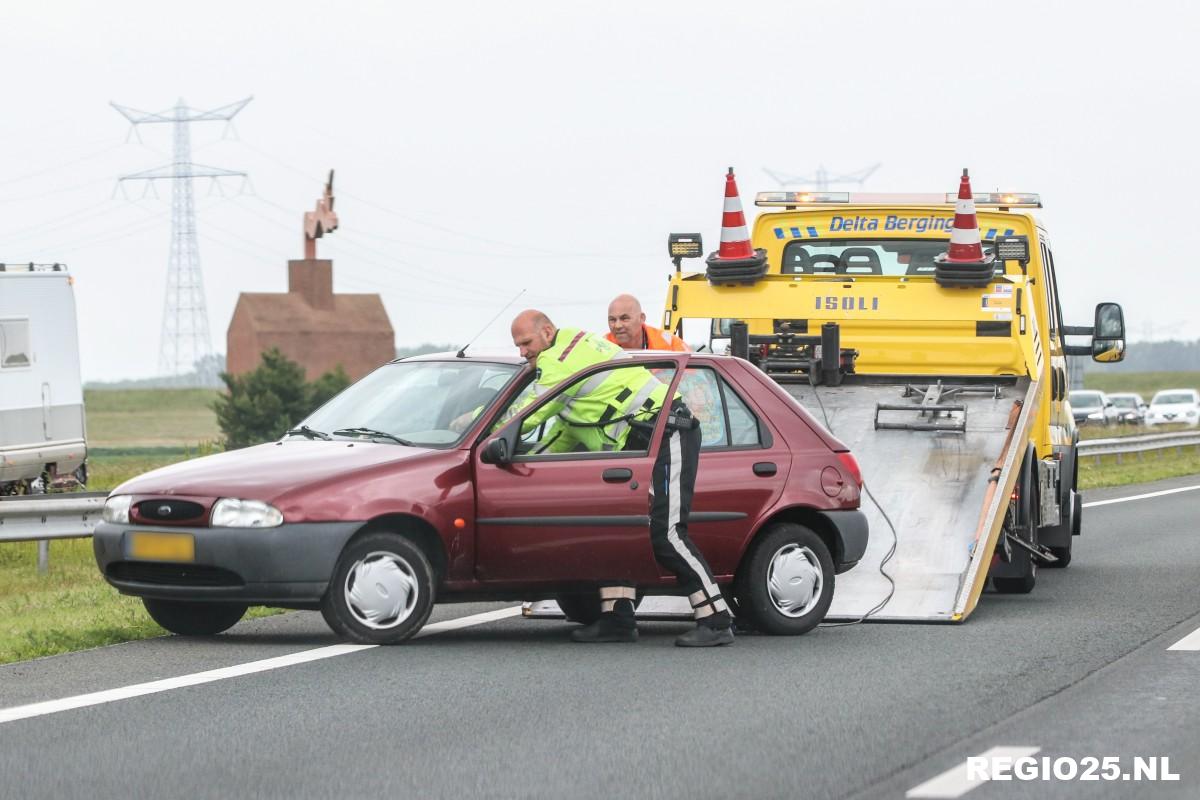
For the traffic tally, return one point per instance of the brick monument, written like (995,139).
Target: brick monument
(310,324)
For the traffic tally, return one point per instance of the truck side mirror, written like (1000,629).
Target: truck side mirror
(1108,338)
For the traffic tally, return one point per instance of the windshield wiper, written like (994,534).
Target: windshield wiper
(309,433)
(373,432)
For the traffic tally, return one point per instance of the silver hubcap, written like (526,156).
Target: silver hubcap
(795,580)
(381,590)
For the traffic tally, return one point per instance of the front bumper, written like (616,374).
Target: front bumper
(290,565)
(852,531)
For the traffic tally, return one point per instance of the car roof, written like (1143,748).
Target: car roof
(1124,394)
(1192,392)
(504,357)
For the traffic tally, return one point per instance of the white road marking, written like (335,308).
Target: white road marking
(237,670)
(955,781)
(1189,642)
(1147,496)
(466,622)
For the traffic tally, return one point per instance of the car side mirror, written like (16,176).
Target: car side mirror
(495,452)
(500,450)
(1108,337)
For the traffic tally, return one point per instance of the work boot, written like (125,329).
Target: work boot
(609,628)
(706,636)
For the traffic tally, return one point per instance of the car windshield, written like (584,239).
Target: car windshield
(413,400)
(866,256)
(1085,399)
(1124,401)
(1167,398)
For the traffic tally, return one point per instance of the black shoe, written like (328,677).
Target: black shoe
(605,629)
(704,636)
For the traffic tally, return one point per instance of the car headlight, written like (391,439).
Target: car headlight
(1191,413)
(230,512)
(116,509)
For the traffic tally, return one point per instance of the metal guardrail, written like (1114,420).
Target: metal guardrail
(1125,445)
(42,517)
(50,516)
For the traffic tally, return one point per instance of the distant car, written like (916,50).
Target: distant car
(1130,406)
(1179,406)
(1092,408)
(376,507)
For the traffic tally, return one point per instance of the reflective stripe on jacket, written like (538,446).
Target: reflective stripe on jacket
(610,395)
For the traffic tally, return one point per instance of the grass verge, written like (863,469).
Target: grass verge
(150,417)
(1152,466)
(1144,383)
(70,607)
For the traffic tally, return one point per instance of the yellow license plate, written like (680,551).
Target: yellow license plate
(162,546)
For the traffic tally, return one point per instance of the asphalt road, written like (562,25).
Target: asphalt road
(510,708)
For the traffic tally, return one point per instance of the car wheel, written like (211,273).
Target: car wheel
(382,590)
(785,584)
(583,608)
(194,619)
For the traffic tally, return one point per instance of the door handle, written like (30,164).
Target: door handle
(765,469)
(617,475)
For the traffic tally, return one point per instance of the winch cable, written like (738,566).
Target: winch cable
(895,537)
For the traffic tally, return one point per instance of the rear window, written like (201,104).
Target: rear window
(1165,398)
(865,256)
(1085,399)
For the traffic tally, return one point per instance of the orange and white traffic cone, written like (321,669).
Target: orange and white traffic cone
(736,259)
(964,263)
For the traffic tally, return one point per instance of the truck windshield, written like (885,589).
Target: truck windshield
(414,401)
(865,257)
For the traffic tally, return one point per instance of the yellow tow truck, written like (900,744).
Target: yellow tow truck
(949,387)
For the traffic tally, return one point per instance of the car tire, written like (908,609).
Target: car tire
(382,590)
(785,583)
(580,607)
(194,619)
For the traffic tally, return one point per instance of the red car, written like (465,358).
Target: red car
(380,504)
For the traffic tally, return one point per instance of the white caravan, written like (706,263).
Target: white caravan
(42,433)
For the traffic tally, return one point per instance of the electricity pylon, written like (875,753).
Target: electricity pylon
(821,179)
(185,338)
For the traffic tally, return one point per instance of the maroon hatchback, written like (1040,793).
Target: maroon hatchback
(376,507)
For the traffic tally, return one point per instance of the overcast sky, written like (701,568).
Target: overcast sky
(486,148)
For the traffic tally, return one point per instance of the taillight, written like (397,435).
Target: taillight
(851,465)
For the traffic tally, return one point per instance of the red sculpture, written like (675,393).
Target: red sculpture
(320,221)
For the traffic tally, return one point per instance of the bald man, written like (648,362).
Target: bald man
(627,327)
(599,416)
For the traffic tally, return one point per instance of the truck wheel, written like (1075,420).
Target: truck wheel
(583,608)
(1021,585)
(1063,554)
(1021,522)
(381,592)
(785,584)
(194,619)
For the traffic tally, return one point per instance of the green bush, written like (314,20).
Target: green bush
(261,405)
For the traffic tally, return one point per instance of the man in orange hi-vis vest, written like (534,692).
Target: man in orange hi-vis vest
(627,327)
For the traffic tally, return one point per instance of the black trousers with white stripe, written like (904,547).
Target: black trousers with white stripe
(673,482)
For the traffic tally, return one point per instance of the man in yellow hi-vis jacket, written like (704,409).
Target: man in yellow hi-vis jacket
(597,413)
